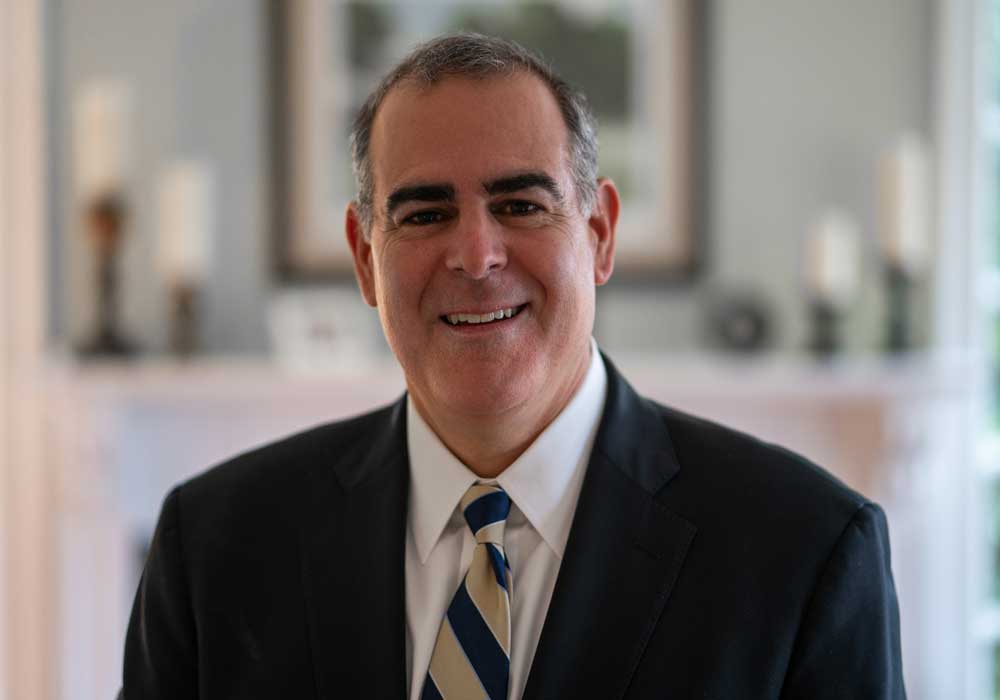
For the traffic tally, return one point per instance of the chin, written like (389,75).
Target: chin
(476,396)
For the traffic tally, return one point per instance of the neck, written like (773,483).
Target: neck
(487,445)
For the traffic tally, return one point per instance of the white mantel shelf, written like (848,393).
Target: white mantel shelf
(657,376)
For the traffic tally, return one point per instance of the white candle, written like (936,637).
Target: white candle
(101,134)
(186,212)
(832,259)
(904,204)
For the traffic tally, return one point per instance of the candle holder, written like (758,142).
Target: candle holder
(899,327)
(185,313)
(105,219)
(825,321)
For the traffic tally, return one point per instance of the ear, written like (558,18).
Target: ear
(361,251)
(603,225)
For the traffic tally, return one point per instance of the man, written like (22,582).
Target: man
(521,523)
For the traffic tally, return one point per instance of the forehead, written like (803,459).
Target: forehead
(465,130)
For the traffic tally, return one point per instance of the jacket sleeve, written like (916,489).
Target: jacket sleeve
(161,644)
(848,642)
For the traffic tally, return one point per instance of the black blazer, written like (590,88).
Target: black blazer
(702,563)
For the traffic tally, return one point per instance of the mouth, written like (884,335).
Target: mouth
(492,317)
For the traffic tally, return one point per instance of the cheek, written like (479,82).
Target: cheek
(401,277)
(566,273)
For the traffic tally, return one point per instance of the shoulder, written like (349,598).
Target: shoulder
(717,450)
(737,485)
(268,482)
(774,521)
(785,549)
(722,480)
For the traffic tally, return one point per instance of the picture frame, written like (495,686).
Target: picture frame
(318,78)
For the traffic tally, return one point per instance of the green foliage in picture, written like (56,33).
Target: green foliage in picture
(591,52)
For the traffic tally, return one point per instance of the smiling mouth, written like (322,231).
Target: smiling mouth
(478,319)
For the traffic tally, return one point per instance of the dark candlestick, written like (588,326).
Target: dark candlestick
(825,317)
(184,338)
(899,328)
(105,223)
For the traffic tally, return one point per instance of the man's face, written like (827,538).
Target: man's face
(475,213)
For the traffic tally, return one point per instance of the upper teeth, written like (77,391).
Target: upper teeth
(481,318)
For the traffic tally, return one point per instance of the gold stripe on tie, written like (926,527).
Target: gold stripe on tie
(450,668)
(491,533)
(489,598)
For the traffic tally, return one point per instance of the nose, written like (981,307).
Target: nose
(478,247)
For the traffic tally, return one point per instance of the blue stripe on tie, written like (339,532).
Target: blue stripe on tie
(485,653)
(487,509)
(430,691)
(498,564)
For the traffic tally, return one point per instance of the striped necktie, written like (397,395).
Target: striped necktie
(471,658)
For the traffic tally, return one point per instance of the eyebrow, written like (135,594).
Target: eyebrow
(524,181)
(443,192)
(436,192)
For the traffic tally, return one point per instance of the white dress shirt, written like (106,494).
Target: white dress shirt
(543,485)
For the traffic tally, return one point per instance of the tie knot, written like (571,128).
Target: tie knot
(485,508)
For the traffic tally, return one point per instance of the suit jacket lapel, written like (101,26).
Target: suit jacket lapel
(623,556)
(353,563)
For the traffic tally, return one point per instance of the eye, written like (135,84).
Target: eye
(423,218)
(517,207)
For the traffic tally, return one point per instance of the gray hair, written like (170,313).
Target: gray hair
(477,56)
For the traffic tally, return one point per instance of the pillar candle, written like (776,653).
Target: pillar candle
(186,211)
(832,259)
(904,204)
(101,126)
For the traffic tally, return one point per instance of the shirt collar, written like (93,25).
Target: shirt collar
(544,482)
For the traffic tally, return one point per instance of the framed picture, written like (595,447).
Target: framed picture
(638,63)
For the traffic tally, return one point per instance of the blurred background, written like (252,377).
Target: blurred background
(808,252)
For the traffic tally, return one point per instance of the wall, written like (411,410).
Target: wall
(803,93)
(195,68)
